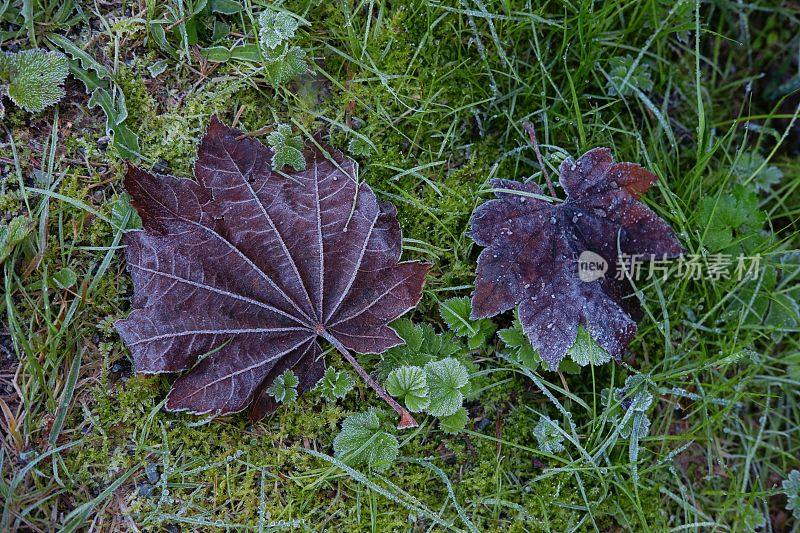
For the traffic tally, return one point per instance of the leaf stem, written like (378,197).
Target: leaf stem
(406,419)
(532,134)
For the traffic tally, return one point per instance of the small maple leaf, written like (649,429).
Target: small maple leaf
(238,274)
(532,251)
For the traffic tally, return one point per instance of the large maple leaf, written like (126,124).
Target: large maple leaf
(533,247)
(238,274)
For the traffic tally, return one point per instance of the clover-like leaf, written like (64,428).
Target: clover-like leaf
(362,441)
(334,384)
(409,384)
(238,275)
(284,387)
(448,380)
(456,314)
(35,77)
(548,436)
(533,247)
(287,148)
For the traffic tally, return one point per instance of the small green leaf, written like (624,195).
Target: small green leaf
(456,314)
(275,28)
(65,278)
(752,164)
(284,388)
(791,488)
(357,146)
(411,333)
(518,345)
(35,77)
(585,351)
(361,441)
(624,76)
(288,148)
(548,437)
(12,234)
(409,383)
(282,68)
(447,383)
(226,7)
(334,384)
(454,423)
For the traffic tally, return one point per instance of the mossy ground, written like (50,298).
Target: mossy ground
(437,91)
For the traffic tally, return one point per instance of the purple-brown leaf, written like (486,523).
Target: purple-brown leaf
(237,274)
(532,251)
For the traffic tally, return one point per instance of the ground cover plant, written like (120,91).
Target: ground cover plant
(689,421)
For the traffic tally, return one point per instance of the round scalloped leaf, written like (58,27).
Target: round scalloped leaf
(35,78)
(362,442)
(447,382)
(410,384)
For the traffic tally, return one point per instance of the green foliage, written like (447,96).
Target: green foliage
(282,61)
(284,388)
(358,147)
(34,79)
(422,345)
(791,488)
(448,381)
(585,351)
(456,314)
(548,437)
(288,148)
(518,345)
(624,77)
(454,423)
(752,165)
(275,28)
(334,384)
(12,234)
(362,441)
(731,222)
(410,385)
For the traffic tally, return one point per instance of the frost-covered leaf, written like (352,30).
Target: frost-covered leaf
(586,351)
(238,275)
(548,437)
(624,77)
(65,278)
(454,423)
(409,384)
(791,488)
(362,441)
(422,346)
(275,28)
(359,147)
(334,384)
(287,148)
(284,387)
(752,164)
(456,314)
(283,67)
(34,78)
(448,380)
(518,345)
(532,251)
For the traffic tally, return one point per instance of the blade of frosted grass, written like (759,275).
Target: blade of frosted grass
(66,398)
(74,520)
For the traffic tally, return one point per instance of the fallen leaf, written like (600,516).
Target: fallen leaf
(533,246)
(238,274)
